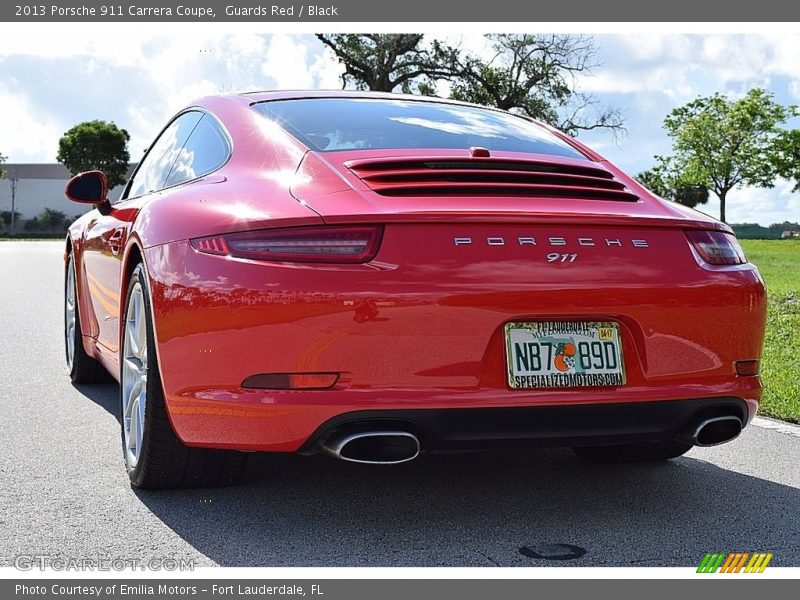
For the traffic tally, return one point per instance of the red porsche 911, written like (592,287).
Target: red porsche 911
(376,276)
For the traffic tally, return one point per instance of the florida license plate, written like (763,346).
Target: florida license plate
(564,354)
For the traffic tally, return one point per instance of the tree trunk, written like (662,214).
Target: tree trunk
(382,84)
(722,196)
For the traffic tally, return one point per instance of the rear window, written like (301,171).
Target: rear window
(329,124)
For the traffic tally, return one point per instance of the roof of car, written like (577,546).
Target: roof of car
(267,95)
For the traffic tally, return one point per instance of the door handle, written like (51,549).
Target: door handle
(115,241)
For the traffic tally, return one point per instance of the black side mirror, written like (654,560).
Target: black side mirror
(90,187)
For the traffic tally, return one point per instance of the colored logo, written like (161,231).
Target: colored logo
(734,562)
(565,357)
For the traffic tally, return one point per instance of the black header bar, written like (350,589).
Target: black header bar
(363,11)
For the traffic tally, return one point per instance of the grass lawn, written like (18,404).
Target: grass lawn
(779,263)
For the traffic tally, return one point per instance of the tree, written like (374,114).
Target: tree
(533,74)
(724,144)
(785,226)
(5,216)
(788,156)
(33,224)
(52,219)
(2,171)
(96,145)
(662,183)
(384,61)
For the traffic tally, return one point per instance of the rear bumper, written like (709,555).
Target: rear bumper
(412,332)
(459,430)
(294,421)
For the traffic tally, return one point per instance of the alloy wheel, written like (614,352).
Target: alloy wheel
(70,315)
(134,376)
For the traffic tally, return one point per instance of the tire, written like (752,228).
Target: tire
(631,453)
(154,456)
(82,367)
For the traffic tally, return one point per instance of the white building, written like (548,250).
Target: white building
(36,186)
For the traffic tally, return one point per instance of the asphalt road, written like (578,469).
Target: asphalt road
(63,490)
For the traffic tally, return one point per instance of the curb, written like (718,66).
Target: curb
(779,426)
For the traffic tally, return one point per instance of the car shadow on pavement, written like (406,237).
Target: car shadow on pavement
(481,510)
(105,395)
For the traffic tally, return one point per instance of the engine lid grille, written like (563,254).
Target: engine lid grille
(489,177)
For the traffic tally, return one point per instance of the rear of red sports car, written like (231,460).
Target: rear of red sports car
(379,276)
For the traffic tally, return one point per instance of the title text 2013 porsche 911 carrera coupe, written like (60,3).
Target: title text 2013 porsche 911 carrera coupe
(375,276)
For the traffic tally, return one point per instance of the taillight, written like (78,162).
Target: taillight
(211,245)
(301,244)
(717,247)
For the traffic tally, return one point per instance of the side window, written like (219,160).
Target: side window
(156,165)
(205,151)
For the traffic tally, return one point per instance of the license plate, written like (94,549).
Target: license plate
(564,354)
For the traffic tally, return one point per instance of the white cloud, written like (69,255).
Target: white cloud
(667,80)
(683,66)
(22,133)
(737,58)
(286,63)
(144,79)
(794,89)
(653,47)
(783,60)
(326,70)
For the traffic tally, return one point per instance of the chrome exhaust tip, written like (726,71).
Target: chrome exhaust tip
(374,447)
(717,430)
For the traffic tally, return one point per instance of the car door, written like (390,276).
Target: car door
(107,232)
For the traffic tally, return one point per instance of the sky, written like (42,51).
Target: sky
(139,78)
